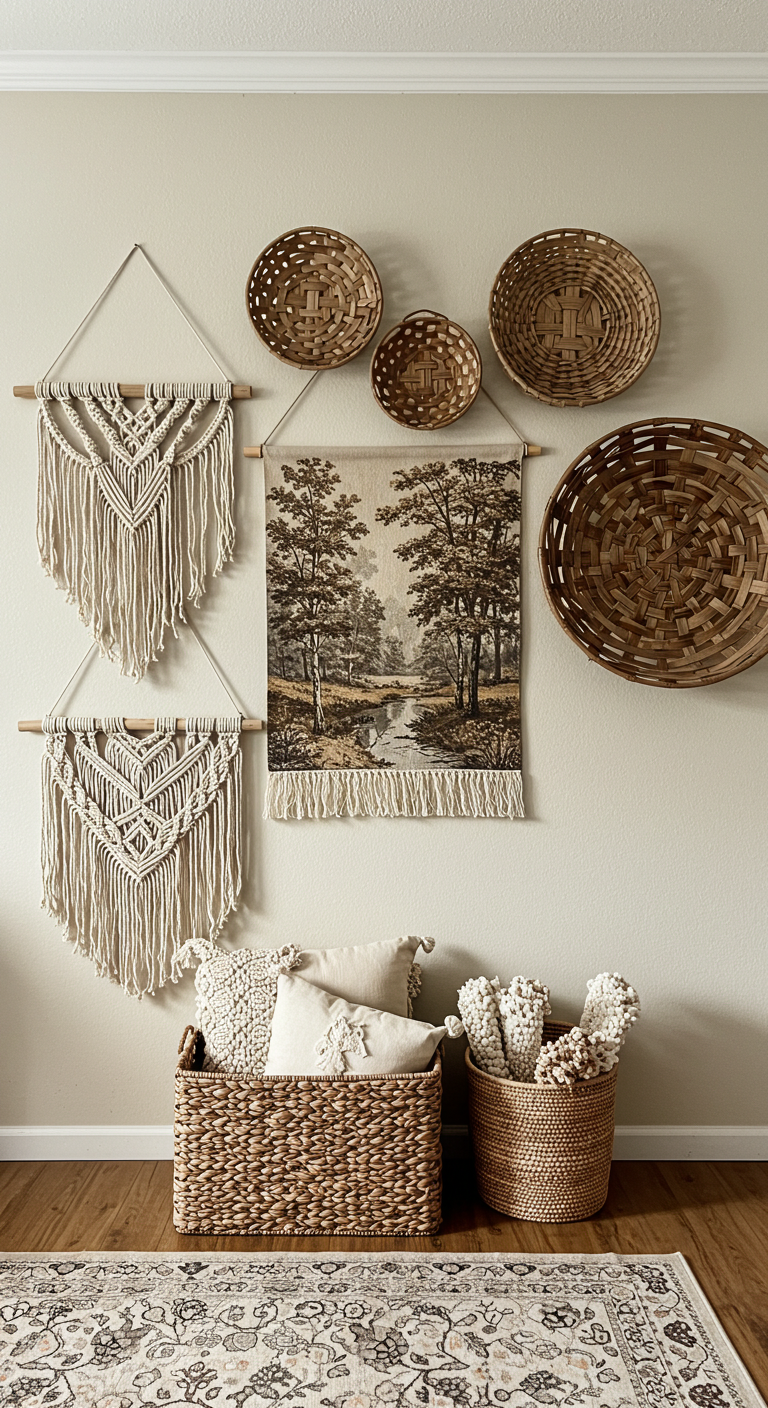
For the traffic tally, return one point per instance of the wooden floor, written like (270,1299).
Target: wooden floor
(716,1214)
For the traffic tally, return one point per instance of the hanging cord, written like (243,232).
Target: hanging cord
(285,414)
(104,293)
(73,676)
(215,669)
(505,417)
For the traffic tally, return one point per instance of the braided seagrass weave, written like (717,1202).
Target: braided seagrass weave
(574,317)
(320,1154)
(314,298)
(542,1152)
(654,552)
(426,371)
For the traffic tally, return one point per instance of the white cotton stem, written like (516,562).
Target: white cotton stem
(326,792)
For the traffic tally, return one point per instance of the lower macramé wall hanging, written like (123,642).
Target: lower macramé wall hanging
(141,844)
(394,631)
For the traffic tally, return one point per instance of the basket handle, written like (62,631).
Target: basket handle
(430,311)
(183,1041)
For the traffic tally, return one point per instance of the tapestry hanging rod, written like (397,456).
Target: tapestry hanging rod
(141,725)
(132,388)
(256,452)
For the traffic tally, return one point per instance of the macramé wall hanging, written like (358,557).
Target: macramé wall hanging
(141,845)
(394,631)
(125,498)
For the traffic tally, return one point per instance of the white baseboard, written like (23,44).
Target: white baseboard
(49,1143)
(102,71)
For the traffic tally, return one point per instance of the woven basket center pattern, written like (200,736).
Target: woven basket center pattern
(570,322)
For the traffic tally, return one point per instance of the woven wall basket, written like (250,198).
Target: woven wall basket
(654,552)
(574,317)
(314,298)
(352,1155)
(426,371)
(542,1152)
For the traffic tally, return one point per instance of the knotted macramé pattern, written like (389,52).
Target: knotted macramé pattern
(141,845)
(123,513)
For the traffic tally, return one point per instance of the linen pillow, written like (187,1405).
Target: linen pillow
(381,975)
(235,997)
(315,1033)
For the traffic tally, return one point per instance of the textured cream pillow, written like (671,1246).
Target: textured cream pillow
(235,996)
(381,975)
(315,1033)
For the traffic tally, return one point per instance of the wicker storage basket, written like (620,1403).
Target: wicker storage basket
(357,1155)
(314,298)
(654,552)
(542,1152)
(426,371)
(574,317)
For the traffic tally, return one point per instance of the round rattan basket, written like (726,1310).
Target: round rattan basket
(574,317)
(542,1152)
(426,371)
(654,552)
(314,298)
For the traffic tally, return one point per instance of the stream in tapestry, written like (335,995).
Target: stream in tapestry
(387,734)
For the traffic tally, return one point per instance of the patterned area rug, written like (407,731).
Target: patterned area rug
(362,1330)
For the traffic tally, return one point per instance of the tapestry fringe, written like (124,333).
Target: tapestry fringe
(131,918)
(394,792)
(125,538)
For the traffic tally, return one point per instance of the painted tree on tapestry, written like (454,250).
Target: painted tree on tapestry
(312,589)
(465,558)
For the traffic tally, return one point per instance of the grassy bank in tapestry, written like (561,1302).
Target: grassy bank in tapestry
(394,608)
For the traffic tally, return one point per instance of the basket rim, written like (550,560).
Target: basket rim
(384,342)
(337,235)
(648,423)
(609,242)
(432,1072)
(547,1091)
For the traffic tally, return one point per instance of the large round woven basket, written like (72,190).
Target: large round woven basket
(314,298)
(574,317)
(426,371)
(654,552)
(542,1152)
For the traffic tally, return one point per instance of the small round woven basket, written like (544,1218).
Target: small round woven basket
(426,371)
(574,317)
(654,552)
(314,298)
(542,1152)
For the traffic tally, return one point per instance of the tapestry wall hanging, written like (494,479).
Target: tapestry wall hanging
(141,846)
(123,504)
(394,631)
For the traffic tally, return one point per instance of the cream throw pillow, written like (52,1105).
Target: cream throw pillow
(235,996)
(315,1033)
(381,975)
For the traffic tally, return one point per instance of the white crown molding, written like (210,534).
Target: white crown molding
(51,1143)
(232,72)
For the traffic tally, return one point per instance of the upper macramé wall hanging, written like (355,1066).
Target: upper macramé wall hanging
(122,513)
(394,631)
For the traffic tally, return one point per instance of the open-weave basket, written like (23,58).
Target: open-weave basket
(426,371)
(654,552)
(574,317)
(330,1155)
(314,298)
(542,1152)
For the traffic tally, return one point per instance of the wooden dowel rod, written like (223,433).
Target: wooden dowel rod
(131,388)
(141,725)
(256,452)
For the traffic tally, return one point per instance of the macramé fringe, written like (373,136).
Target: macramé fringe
(394,792)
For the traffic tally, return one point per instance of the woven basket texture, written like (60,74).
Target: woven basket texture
(327,1155)
(542,1152)
(314,298)
(654,552)
(426,371)
(574,317)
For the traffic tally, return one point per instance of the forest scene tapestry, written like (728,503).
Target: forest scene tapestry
(393,581)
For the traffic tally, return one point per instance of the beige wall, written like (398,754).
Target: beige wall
(645,846)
